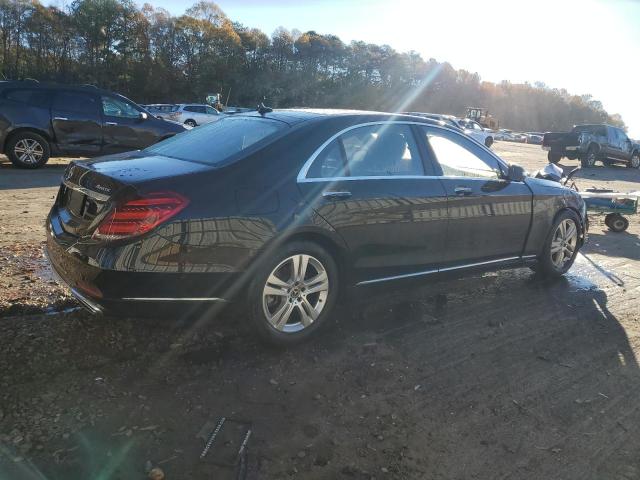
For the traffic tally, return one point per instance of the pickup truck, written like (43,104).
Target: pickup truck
(592,143)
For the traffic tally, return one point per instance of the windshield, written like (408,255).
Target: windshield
(216,142)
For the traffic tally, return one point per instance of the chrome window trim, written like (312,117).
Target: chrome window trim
(302,174)
(446,269)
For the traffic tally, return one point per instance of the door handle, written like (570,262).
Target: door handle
(336,195)
(110,124)
(463,191)
(60,118)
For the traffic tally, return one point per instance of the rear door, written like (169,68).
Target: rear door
(124,129)
(76,122)
(197,113)
(372,185)
(489,216)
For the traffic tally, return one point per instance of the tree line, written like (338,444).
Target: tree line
(152,56)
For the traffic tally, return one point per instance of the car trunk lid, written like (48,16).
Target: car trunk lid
(91,188)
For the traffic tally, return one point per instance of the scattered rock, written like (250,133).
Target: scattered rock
(156,474)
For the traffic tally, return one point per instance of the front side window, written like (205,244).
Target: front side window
(370,151)
(229,136)
(116,107)
(458,157)
(211,111)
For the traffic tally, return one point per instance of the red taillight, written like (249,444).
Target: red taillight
(139,216)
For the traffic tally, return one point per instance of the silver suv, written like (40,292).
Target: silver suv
(194,114)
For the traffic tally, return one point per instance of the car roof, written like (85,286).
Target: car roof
(294,116)
(53,85)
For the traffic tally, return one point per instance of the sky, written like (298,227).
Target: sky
(585,46)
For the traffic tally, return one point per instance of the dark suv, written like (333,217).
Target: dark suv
(38,120)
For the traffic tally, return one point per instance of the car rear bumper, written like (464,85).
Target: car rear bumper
(136,294)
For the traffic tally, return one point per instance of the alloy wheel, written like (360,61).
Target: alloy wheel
(563,245)
(635,161)
(295,293)
(29,151)
(591,159)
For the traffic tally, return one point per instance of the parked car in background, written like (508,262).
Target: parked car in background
(193,114)
(475,131)
(519,137)
(592,143)
(38,120)
(534,137)
(504,135)
(161,110)
(292,206)
(232,110)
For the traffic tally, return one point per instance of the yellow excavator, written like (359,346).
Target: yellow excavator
(482,116)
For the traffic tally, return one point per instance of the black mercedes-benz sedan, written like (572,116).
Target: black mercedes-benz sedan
(282,209)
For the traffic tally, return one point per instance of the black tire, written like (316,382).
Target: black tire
(28,150)
(616,222)
(553,157)
(589,160)
(488,142)
(546,266)
(634,162)
(607,163)
(191,123)
(259,305)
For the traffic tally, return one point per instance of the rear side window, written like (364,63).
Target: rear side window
(75,102)
(370,151)
(194,109)
(30,96)
(216,142)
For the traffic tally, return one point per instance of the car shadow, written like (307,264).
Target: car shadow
(613,244)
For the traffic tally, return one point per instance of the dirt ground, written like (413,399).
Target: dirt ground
(497,376)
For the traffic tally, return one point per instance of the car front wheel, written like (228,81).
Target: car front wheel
(488,142)
(293,293)
(635,161)
(561,245)
(28,150)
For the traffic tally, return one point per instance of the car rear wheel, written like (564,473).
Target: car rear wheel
(561,245)
(28,150)
(589,160)
(293,293)
(553,157)
(191,123)
(635,161)
(488,142)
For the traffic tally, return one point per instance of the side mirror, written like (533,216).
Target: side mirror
(143,116)
(516,173)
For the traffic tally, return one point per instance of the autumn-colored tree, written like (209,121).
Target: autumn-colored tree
(152,56)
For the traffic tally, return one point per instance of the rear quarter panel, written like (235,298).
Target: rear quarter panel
(14,116)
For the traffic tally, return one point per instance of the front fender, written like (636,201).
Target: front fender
(549,198)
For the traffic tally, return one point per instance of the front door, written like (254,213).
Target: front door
(489,216)
(370,185)
(75,118)
(124,128)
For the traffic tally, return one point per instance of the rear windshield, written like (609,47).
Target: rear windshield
(594,129)
(215,142)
